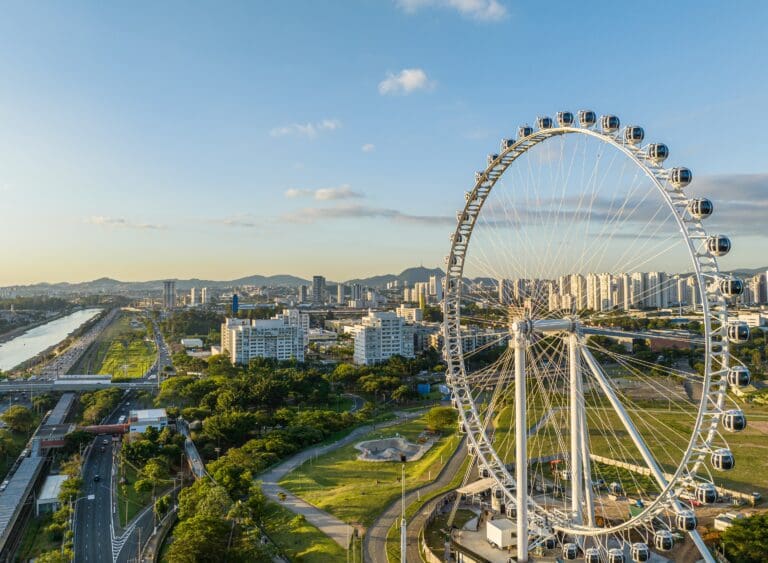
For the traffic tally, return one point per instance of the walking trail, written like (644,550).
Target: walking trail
(331,526)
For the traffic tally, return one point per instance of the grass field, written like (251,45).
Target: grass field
(124,349)
(129,502)
(357,491)
(666,433)
(300,540)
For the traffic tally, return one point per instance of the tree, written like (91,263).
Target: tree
(439,418)
(19,418)
(746,540)
(201,539)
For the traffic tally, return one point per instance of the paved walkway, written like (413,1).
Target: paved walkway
(375,542)
(331,526)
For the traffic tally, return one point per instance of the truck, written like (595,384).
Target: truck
(499,532)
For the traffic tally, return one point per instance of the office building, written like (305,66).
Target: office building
(303,294)
(193,296)
(341,292)
(380,336)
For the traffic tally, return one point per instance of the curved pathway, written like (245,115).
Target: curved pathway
(331,526)
(375,542)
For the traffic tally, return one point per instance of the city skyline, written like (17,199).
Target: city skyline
(135,142)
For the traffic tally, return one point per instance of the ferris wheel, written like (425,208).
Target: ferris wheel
(598,431)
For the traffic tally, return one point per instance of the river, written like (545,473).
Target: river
(34,341)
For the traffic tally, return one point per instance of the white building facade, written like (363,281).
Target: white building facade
(380,336)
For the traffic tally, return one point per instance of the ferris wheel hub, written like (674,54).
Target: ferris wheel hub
(525,327)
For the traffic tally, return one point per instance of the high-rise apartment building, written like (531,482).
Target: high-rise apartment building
(205,296)
(381,335)
(318,290)
(341,293)
(193,296)
(169,295)
(303,294)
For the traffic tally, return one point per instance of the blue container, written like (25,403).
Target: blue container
(423,388)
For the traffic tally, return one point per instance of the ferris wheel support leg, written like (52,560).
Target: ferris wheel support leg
(640,444)
(576,406)
(586,465)
(521,450)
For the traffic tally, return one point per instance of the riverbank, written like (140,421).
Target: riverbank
(20,330)
(60,345)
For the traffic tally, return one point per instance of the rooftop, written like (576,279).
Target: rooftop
(51,487)
(148,414)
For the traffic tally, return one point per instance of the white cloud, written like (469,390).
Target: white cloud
(354,211)
(122,223)
(324,194)
(308,130)
(481,10)
(406,81)
(368,147)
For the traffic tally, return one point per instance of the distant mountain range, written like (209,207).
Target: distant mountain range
(109,285)
(409,275)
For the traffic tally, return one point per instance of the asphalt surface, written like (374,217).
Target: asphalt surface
(375,541)
(98,534)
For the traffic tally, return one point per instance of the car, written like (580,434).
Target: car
(105,441)
(757,497)
(102,449)
(97,478)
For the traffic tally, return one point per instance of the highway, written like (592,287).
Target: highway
(98,534)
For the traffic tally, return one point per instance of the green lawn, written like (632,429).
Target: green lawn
(129,502)
(666,433)
(124,349)
(357,491)
(300,540)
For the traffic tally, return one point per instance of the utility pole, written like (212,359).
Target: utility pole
(403,527)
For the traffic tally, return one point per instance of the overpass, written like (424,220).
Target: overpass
(17,386)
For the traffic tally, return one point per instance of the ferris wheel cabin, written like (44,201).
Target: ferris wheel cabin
(663,540)
(634,135)
(706,493)
(506,143)
(587,118)
(719,245)
(739,376)
(658,152)
(610,123)
(544,122)
(564,118)
(723,460)
(731,287)
(734,420)
(686,520)
(524,131)
(680,177)
(640,552)
(570,551)
(738,332)
(615,555)
(701,208)
(592,555)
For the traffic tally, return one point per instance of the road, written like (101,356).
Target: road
(98,534)
(375,542)
(331,526)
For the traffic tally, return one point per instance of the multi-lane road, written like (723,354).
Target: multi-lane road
(99,537)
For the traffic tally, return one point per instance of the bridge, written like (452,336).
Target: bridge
(18,386)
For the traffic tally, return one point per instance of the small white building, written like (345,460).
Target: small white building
(500,532)
(48,499)
(192,342)
(142,419)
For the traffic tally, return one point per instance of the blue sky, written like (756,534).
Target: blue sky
(190,139)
